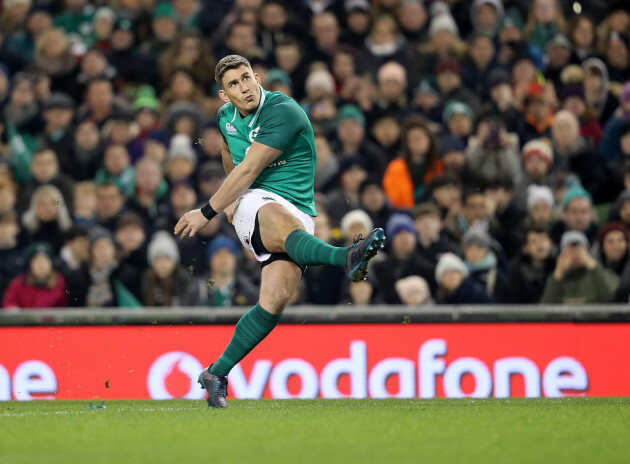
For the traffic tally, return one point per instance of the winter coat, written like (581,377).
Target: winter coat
(387,271)
(22,294)
(583,161)
(398,184)
(526,281)
(158,293)
(580,286)
(469,292)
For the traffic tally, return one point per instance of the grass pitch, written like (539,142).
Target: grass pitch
(571,430)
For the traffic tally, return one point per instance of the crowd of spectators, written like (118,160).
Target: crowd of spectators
(490,139)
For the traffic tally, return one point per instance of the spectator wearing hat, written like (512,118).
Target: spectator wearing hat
(407,177)
(540,208)
(355,224)
(73,264)
(577,214)
(374,202)
(401,260)
(558,56)
(103,25)
(163,31)
(480,252)
(578,278)
(357,20)
(529,270)
(58,132)
(454,286)
(537,158)
(574,154)
(352,171)
(117,168)
(449,81)
(432,239)
(223,286)
(413,291)
(164,283)
(476,67)
(351,125)
(444,42)
(487,16)
(597,93)
(279,81)
(182,159)
(494,152)
(426,101)
(617,56)
(538,114)
(11,251)
(459,119)
(147,111)
(133,66)
(40,286)
(453,155)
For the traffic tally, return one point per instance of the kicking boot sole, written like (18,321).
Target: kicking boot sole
(359,273)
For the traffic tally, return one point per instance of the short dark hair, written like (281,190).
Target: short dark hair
(535,228)
(226,63)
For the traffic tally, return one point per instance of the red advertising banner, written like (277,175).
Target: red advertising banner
(327,361)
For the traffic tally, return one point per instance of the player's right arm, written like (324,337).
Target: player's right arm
(226,157)
(228,165)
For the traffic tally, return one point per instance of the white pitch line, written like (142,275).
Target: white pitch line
(20,414)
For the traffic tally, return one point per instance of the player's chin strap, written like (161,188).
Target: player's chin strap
(208,211)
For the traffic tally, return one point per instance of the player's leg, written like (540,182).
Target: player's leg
(279,281)
(281,232)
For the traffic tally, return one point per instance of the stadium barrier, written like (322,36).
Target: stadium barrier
(480,352)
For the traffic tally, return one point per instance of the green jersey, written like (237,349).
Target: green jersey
(280,123)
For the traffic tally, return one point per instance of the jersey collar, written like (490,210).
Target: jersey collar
(260,104)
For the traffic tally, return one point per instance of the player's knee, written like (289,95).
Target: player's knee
(275,302)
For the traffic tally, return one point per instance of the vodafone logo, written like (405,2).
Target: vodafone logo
(174,375)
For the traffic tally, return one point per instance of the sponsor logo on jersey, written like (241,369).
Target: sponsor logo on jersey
(230,129)
(277,163)
(253,134)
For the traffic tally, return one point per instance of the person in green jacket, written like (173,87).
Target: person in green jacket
(578,278)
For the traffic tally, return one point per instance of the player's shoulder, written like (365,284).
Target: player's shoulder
(279,103)
(226,109)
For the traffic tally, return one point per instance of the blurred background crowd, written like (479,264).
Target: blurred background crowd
(489,138)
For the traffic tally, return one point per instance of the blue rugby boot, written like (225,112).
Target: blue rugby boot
(216,386)
(361,252)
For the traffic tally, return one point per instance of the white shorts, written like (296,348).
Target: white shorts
(247,207)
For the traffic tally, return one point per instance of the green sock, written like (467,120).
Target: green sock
(250,330)
(307,250)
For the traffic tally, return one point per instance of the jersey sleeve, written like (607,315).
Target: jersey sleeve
(220,115)
(279,123)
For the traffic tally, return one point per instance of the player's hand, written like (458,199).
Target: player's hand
(191,223)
